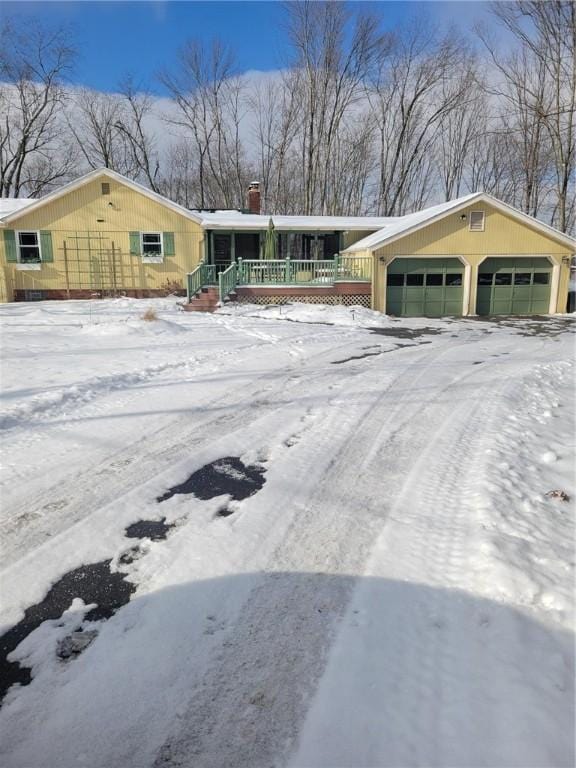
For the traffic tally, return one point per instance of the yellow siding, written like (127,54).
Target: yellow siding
(502,236)
(352,237)
(73,221)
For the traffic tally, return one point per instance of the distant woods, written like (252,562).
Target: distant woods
(357,121)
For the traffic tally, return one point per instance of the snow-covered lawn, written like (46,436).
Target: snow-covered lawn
(381,579)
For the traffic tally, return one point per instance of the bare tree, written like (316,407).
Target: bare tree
(329,69)
(33,64)
(136,107)
(538,83)
(416,86)
(211,109)
(93,119)
(458,130)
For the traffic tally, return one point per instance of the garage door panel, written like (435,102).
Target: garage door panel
(415,309)
(521,307)
(514,286)
(500,308)
(434,308)
(540,293)
(414,295)
(425,287)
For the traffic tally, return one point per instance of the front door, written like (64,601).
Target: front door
(222,250)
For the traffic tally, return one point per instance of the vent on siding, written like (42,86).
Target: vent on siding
(34,295)
(476,221)
(105,188)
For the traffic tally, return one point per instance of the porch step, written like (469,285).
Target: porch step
(206,300)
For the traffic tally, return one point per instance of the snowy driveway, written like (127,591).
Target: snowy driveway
(393,589)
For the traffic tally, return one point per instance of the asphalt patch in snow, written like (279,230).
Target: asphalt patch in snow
(529,325)
(406,333)
(227,476)
(93,583)
(380,352)
(156,530)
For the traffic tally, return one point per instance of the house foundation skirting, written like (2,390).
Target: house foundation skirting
(84,293)
(347,294)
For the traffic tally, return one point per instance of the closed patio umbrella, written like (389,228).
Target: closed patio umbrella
(270,241)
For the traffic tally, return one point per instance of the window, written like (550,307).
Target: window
(34,295)
(414,279)
(504,278)
(541,278)
(395,280)
(151,243)
(476,221)
(105,188)
(454,279)
(485,278)
(433,279)
(29,248)
(522,278)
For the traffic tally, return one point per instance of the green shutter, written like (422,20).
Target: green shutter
(168,242)
(134,243)
(10,245)
(46,253)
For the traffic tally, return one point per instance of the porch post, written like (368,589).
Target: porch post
(336,265)
(287,278)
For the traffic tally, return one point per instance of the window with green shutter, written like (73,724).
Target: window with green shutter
(10,246)
(134,243)
(168,238)
(46,252)
(28,247)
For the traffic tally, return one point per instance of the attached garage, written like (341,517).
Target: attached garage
(514,286)
(430,287)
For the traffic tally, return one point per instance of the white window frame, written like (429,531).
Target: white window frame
(483,221)
(152,258)
(28,264)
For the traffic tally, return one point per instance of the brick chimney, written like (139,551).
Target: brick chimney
(254,197)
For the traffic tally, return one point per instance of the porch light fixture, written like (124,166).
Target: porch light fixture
(382,259)
(463,217)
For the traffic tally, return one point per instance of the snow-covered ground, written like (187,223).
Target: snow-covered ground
(399,592)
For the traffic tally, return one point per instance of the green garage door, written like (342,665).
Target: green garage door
(424,287)
(519,286)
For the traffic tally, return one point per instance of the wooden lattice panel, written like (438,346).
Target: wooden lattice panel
(347,300)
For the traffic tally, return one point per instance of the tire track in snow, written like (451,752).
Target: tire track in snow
(417,714)
(222,728)
(51,512)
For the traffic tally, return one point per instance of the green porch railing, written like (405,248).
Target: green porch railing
(280,272)
(285,272)
(227,281)
(354,268)
(204,274)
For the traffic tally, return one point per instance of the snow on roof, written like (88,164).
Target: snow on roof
(401,224)
(238,220)
(10,205)
(91,175)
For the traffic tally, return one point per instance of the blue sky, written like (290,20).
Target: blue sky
(115,37)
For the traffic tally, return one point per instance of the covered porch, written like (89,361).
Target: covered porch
(281,273)
(344,279)
(223,247)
